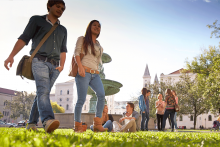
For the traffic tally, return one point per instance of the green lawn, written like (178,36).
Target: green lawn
(66,137)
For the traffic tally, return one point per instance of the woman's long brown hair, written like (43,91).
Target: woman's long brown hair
(88,38)
(144,92)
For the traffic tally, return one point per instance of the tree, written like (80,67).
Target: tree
(1,115)
(21,104)
(212,85)
(216,27)
(193,102)
(57,108)
(206,66)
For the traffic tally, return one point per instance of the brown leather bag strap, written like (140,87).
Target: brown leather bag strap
(42,42)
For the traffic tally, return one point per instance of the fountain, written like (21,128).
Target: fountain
(111,87)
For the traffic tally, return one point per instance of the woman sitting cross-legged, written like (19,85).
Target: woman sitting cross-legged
(107,119)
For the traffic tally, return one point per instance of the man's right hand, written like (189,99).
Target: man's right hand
(8,60)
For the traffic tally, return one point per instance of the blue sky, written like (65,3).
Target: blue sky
(160,33)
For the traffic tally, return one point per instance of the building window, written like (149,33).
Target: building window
(60,99)
(60,92)
(210,118)
(110,112)
(85,107)
(67,99)
(191,118)
(115,112)
(181,118)
(145,85)
(3,113)
(67,107)
(199,118)
(68,92)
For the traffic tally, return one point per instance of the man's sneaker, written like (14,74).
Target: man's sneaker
(31,127)
(176,130)
(51,125)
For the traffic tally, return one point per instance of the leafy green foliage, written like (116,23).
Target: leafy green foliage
(57,108)
(216,28)
(21,104)
(1,115)
(206,65)
(66,137)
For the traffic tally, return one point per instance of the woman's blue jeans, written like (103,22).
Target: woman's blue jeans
(108,125)
(45,75)
(144,121)
(82,84)
(166,114)
(175,123)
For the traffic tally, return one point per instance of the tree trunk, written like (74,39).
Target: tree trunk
(195,117)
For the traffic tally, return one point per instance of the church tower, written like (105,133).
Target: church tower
(156,81)
(146,77)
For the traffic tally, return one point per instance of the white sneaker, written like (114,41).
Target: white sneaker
(176,130)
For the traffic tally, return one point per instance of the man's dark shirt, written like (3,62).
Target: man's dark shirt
(37,28)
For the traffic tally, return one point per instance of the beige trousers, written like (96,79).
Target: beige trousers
(130,126)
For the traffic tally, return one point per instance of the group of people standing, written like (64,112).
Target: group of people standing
(164,109)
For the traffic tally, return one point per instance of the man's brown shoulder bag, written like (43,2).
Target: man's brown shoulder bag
(24,68)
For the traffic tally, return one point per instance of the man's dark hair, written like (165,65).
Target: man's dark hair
(50,3)
(148,91)
(131,105)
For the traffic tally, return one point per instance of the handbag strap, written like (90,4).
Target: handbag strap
(42,42)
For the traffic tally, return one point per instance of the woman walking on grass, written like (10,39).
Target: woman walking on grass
(169,105)
(176,99)
(159,111)
(88,74)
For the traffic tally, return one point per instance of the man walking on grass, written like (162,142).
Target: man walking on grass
(47,63)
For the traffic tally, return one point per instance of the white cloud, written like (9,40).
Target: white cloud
(207,1)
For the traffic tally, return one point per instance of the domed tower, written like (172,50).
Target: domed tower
(146,77)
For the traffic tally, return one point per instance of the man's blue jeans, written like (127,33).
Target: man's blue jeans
(144,121)
(166,114)
(82,84)
(108,125)
(175,123)
(45,75)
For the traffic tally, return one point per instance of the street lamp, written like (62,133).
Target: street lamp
(205,123)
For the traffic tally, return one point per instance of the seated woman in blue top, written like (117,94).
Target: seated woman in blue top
(106,120)
(144,107)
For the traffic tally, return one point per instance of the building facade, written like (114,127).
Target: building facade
(6,95)
(66,96)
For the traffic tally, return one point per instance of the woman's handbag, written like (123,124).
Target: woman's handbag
(176,107)
(74,66)
(24,68)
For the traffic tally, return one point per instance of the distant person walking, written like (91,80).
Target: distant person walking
(88,74)
(159,111)
(144,108)
(176,98)
(169,105)
(47,63)
(107,120)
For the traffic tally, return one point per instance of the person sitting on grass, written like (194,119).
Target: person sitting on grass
(107,119)
(129,120)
